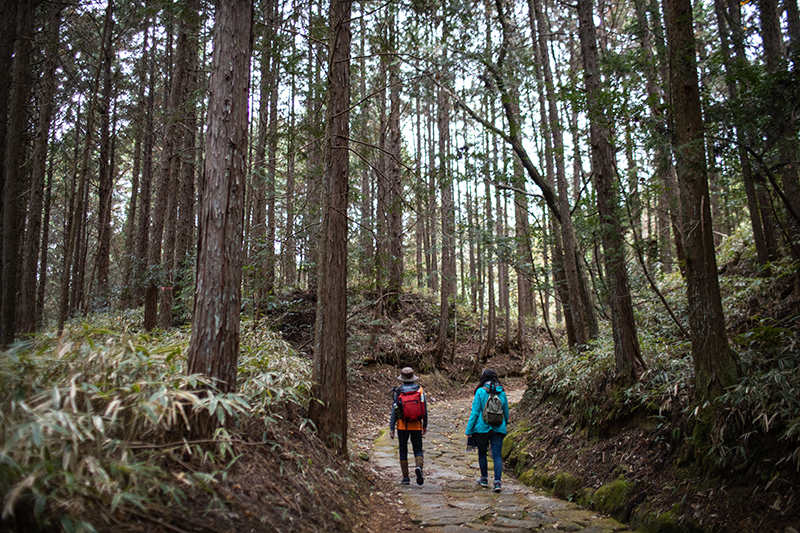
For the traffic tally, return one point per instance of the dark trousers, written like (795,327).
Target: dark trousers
(416,442)
(495,441)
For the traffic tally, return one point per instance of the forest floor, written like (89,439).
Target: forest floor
(295,484)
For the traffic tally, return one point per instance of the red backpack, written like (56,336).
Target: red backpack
(411,406)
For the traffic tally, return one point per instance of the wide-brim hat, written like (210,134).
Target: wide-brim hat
(407,375)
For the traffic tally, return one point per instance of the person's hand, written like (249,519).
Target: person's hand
(391,434)
(424,430)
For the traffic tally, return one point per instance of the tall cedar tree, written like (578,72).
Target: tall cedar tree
(329,408)
(214,346)
(627,355)
(715,364)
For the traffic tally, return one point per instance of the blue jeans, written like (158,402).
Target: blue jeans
(403,437)
(495,440)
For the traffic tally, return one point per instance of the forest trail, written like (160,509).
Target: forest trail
(450,501)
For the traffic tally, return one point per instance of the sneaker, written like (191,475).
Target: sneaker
(420,479)
(405,481)
(497,486)
(483,482)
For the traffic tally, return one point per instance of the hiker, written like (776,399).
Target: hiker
(487,424)
(410,415)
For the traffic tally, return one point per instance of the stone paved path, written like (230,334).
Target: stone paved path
(451,501)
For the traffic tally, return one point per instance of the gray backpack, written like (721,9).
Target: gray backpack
(493,408)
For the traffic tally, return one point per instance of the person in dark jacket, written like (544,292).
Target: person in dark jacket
(413,430)
(485,435)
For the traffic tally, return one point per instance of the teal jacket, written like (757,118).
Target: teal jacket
(476,423)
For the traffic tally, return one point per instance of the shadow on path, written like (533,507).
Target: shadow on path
(451,501)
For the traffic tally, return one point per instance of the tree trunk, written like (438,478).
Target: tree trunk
(573,305)
(8,32)
(715,363)
(290,246)
(214,346)
(129,254)
(13,169)
(105,179)
(45,247)
(28,301)
(491,322)
(448,282)
(165,224)
(629,363)
(145,193)
(184,252)
(328,409)
(394,192)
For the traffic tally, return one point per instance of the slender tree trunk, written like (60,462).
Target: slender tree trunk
(28,300)
(106,179)
(573,305)
(73,267)
(145,194)
(187,189)
(214,346)
(629,363)
(259,243)
(329,408)
(129,255)
(715,363)
(394,203)
(448,282)
(166,224)
(290,246)
(45,247)
(491,322)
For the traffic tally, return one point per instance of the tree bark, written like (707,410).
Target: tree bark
(13,171)
(8,32)
(145,193)
(573,305)
(328,410)
(214,346)
(45,247)
(187,204)
(129,255)
(715,363)
(627,355)
(394,192)
(28,300)
(105,179)
(448,281)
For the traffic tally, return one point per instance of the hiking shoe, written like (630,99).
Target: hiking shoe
(420,479)
(483,482)
(497,485)
(405,481)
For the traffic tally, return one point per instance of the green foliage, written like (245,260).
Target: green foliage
(575,379)
(92,418)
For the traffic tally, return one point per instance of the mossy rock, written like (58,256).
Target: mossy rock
(668,522)
(544,481)
(509,444)
(526,477)
(565,486)
(611,500)
(585,497)
(533,478)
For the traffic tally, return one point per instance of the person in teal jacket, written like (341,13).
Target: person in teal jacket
(485,435)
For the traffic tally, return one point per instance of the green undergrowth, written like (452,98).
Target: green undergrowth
(94,421)
(753,441)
